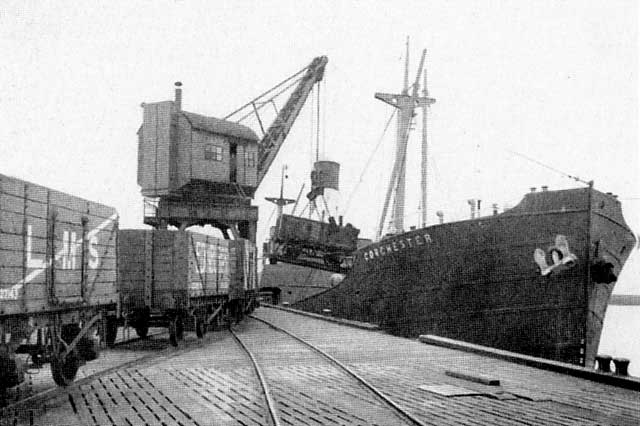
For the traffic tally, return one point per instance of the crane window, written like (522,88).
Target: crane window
(212,152)
(251,159)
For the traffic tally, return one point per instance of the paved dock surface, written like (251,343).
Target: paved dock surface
(211,382)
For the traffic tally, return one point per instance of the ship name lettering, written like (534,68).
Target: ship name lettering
(397,245)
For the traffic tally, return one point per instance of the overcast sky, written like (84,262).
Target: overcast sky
(553,80)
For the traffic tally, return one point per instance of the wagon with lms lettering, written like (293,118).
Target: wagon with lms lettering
(57,279)
(183,280)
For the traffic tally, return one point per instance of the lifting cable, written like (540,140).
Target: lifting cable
(364,170)
(318,125)
(311,127)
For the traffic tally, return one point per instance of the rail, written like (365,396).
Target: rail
(271,405)
(396,407)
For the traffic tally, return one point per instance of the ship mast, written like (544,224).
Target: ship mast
(424,169)
(406,104)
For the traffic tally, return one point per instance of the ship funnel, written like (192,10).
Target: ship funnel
(545,188)
(533,189)
(178,99)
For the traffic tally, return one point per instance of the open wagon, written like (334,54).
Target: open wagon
(57,279)
(183,280)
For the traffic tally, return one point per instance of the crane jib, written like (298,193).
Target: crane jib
(269,146)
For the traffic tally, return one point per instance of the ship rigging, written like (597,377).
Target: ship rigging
(406,103)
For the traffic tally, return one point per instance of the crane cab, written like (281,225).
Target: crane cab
(191,156)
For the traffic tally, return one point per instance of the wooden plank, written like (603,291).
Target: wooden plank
(474,377)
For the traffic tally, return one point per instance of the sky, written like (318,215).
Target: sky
(555,81)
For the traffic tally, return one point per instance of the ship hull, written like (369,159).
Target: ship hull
(534,280)
(288,284)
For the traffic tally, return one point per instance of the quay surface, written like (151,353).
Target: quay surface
(211,382)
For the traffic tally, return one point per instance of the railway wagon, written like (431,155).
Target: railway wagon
(330,241)
(183,280)
(57,279)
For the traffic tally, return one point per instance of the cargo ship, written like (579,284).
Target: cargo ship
(534,279)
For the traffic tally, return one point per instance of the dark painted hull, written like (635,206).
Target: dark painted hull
(294,283)
(478,280)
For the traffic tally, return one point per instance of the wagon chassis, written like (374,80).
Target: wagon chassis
(204,312)
(65,338)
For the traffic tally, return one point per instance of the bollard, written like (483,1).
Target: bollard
(604,363)
(622,366)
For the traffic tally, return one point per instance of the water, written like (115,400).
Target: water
(621,336)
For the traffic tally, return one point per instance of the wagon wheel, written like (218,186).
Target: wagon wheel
(64,369)
(176,331)
(201,328)
(142,324)
(111,331)
(142,330)
(86,348)
(292,252)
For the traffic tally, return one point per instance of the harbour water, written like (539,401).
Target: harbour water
(621,336)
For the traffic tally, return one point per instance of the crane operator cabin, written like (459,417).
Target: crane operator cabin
(185,155)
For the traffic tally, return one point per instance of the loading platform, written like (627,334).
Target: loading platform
(213,381)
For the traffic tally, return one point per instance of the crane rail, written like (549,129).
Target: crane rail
(388,401)
(271,405)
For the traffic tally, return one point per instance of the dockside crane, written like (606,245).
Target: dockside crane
(199,170)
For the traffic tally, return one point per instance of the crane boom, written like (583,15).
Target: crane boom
(273,139)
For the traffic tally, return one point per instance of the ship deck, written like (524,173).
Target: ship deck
(210,381)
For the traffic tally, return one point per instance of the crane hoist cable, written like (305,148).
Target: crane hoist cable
(318,124)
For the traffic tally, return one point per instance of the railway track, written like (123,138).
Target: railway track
(362,403)
(210,381)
